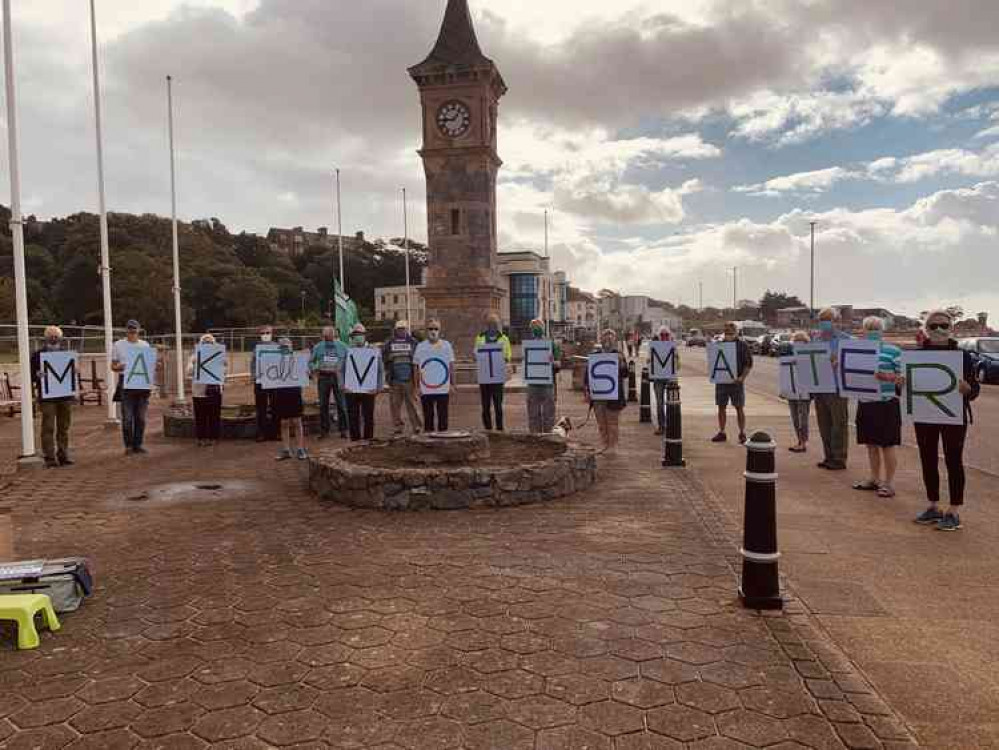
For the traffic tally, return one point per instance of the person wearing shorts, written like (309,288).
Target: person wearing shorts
(734,393)
(879,422)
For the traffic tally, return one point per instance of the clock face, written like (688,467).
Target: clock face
(453,119)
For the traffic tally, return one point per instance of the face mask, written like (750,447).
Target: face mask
(52,343)
(825,325)
(357,340)
(730,336)
(874,335)
(433,335)
(938,335)
(538,332)
(266,337)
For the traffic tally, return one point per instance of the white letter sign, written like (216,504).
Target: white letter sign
(258,353)
(815,368)
(492,364)
(858,363)
(539,367)
(790,388)
(435,376)
(604,377)
(209,364)
(281,369)
(140,367)
(931,394)
(723,362)
(57,373)
(361,370)
(662,360)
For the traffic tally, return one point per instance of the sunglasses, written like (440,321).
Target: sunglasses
(938,327)
(433,329)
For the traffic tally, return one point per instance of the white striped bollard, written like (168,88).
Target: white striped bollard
(760,587)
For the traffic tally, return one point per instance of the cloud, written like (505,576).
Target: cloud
(816,181)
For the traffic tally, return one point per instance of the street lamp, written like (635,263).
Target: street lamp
(811,293)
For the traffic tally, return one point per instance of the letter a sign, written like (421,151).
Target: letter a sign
(931,394)
(723,364)
(58,375)
(140,368)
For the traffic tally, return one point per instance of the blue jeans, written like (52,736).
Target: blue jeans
(133,417)
(329,386)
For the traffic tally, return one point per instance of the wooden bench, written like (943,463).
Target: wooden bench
(10,396)
(95,394)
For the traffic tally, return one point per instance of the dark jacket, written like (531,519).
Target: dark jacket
(622,383)
(970,375)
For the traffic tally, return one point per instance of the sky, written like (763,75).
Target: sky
(671,140)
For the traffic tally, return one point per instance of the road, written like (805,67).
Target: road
(980,453)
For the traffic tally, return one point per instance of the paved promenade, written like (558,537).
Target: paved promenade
(253,616)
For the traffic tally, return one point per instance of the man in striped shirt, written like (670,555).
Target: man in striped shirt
(879,421)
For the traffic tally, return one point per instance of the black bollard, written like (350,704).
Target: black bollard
(645,405)
(632,392)
(673,433)
(760,587)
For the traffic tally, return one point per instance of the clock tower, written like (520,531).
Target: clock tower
(460,89)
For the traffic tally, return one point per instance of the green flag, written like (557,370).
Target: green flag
(346,311)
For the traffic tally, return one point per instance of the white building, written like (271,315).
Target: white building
(390,304)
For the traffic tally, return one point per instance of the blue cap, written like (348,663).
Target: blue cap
(133,324)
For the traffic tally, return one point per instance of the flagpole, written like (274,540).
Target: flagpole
(28,455)
(405,225)
(103,214)
(339,231)
(176,247)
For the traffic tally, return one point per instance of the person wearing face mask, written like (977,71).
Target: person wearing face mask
(492,394)
(134,403)
(397,355)
(207,400)
(938,334)
(608,413)
(832,411)
(361,406)
(541,398)
(435,348)
(665,334)
(800,406)
(266,424)
(734,392)
(879,422)
(325,367)
(57,413)
(286,407)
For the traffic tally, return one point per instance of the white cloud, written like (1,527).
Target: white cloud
(816,181)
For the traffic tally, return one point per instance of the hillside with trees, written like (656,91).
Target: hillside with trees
(227,280)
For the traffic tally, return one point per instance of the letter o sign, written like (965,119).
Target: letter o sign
(435,378)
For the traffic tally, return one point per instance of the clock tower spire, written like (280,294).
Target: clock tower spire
(460,89)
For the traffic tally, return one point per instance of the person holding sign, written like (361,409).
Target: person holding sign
(362,376)
(327,356)
(798,399)
(135,362)
(729,378)
(879,422)
(206,369)
(604,389)
(541,358)
(286,401)
(493,352)
(266,425)
(53,369)
(937,337)
(664,364)
(397,355)
(434,360)
(831,409)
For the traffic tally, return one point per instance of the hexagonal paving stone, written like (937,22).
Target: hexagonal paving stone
(430,733)
(418,639)
(453,680)
(366,637)
(610,667)
(471,640)
(380,656)
(335,676)
(474,708)
(502,624)
(499,735)
(285,698)
(752,728)
(347,702)
(392,678)
(40,714)
(356,620)
(550,663)
(636,649)
(113,739)
(228,723)
(707,696)
(280,673)
(642,692)
(110,689)
(317,636)
(720,743)
(780,704)
(525,643)
(105,716)
(47,738)
(515,683)
(680,723)
(225,694)
(291,728)
(611,718)
(731,675)
(324,655)
(169,669)
(753,657)
(693,653)
(541,711)
(578,689)
(646,741)
(493,660)
(155,722)
(222,671)
(580,646)
(166,693)
(410,704)
(571,738)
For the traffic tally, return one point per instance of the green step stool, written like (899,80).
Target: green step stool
(21,609)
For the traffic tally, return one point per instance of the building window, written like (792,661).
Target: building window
(395,299)
(523,301)
(383,299)
(455,221)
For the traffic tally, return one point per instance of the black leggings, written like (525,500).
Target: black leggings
(361,415)
(928,437)
(438,403)
(492,396)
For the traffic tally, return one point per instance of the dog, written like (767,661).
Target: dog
(563,427)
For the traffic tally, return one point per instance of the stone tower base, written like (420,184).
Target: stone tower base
(462,311)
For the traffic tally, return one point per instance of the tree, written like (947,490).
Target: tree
(7,304)
(248,299)
(771,302)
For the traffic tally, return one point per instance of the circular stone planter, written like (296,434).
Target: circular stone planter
(396,475)
(238,422)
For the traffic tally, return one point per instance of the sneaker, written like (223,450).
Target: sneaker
(283,455)
(303,454)
(140,450)
(721,437)
(51,463)
(929,516)
(835,466)
(823,464)
(742,438)
(950,522)
(66,461)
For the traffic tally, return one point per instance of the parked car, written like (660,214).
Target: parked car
(985,350)
(696,338)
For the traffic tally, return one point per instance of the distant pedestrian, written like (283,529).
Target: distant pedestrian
(665,334)
(541,398)
(734,393)
(207,400)
(800,405)
(397,358)
(286,406)
(57,413)
(492,394)
(435,404)
(361,406)
(938,331)
(831,409)
(267,428)
(134,403)
(327,356)
(608,413)
(879,422)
